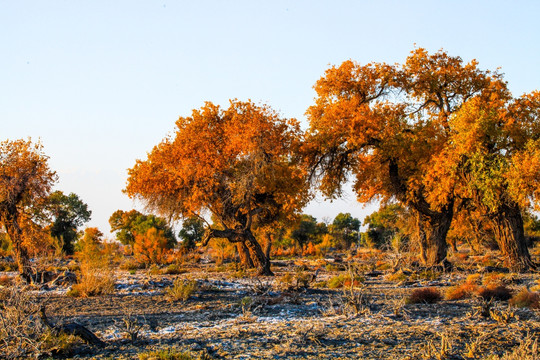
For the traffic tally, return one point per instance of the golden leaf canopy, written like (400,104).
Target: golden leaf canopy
(233,162)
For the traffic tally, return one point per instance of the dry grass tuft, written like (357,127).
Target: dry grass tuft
(500,292)
(96,267)
(173,269)
(6,280)
(424,296)
(493,288)
(526,350)
(181,290)
(131,265)
(459,292)
(93,282)
(526,298)
(398,276)
(167,354)
(345,280)
(22,333)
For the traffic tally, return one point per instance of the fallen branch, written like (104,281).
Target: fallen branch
(72,329)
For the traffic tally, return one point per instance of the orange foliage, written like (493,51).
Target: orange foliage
(283,252)
(237,164)
(310,250)
(358,125)
(151,247)
(220,158)
(458,292)
(389,127)
(25,182)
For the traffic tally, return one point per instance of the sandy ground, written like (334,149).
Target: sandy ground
(265,318)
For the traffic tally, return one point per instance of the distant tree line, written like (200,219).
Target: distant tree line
(445,148)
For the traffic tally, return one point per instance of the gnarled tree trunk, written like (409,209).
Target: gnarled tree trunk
(510,236)
(431,225)
(15,234)
(263,262)
(432,230)
(245,257)
(247,239)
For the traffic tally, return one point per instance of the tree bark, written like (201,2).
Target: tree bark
(263,262)
(268,245)
(432,230)
(15,234)
(453,243)
(510,236)
(246,238)
(432,225)
(245,257)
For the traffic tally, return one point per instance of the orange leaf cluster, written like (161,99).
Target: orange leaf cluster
(235,163)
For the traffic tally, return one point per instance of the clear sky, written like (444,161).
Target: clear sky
(102,82)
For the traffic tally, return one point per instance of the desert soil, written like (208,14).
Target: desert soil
(263,318)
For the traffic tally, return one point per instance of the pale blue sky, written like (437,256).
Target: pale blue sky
(102,82)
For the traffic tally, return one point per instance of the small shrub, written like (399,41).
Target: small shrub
(501,293)
(537,286)
(59,343)
(462,291)
(132,327)
(182,290)
(93,283)
(382,265)
(456,292)
(154,270)
(424,296)
(173,269)
(285,280)
(398,276)
(302,279)
(151,247)
(474,279)
(131,264)
(246,303)
(334,267)
(344,280)
(96,276)
(526,298)
(503,317)
(320,284)
(465,290)
(166,354)
(493,280)
(429,275)
(310,250)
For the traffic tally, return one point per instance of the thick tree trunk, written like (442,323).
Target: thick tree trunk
(19,250)
(268,245)
(245,257)
(510,236)
(432,230)
(263,262)
(246,238)
(432,225)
